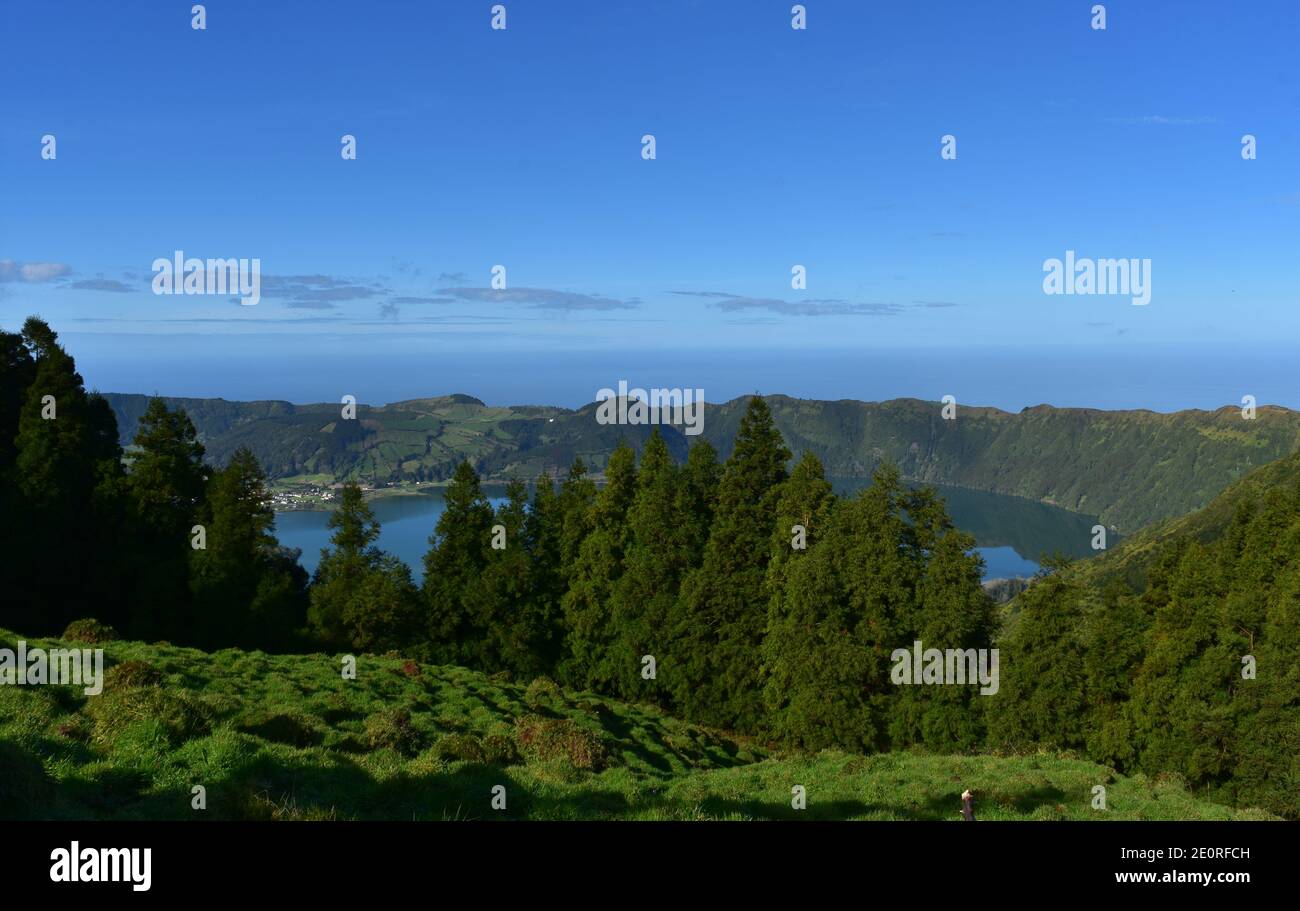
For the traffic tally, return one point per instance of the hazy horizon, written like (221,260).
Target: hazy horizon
(1007,378)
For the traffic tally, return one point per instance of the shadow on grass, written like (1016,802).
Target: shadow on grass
(831,810)
(1023,802)
(320,785)
(622,729)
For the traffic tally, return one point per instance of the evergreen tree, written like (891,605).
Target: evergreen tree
(697,496)
(516,629)
(166,486)
(246,592)
(382,612)
(1040,702)
(17,371)
(1266,748)
(577,499)
(1182,707)
(68,489)
(804,503)
(950,611)
(658,554)
(458,553)
(544,540)
(1113,637)
(361,598)
(718,627)
(819,678)
(805,500)
(589,663)
(277,613)
(846,607)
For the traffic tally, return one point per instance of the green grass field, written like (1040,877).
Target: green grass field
(287,737)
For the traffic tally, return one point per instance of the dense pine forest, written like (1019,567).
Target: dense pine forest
(739,594)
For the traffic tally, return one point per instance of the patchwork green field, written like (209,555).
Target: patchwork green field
(287,737)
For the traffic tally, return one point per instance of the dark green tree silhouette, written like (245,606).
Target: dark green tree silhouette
(458,553)
(362,598)
(166,486)
(589,662)
(718,627)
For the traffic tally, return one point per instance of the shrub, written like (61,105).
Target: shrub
(181,714)
(410,669)
(132,674)
(543,691)
(90,630)
(500,749)
(392,729)
(463,747)
(544,739)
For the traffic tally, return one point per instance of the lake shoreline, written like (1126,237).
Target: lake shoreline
(1010,533)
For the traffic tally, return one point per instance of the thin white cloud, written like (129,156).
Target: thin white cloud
(12,271)
(1164,120)
(540,298)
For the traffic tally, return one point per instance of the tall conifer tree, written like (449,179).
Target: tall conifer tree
(659,553)
(806,501)
(166,483)
(718,627)
(68,475)
(1041,696)
(589,662)
(361,597)
(248,591)
(458,553)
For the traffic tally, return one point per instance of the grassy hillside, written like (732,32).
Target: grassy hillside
(1128,467)
(286,737)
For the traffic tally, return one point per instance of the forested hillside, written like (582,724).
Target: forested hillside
(1129,468)
(1176,653)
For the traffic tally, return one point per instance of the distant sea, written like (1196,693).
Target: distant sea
(1114,377)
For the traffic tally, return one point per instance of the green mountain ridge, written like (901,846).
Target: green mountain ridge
(1129,468)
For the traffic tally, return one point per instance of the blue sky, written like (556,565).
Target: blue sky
(775,147)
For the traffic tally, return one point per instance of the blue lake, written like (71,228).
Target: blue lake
(406,522)
(1011,534)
